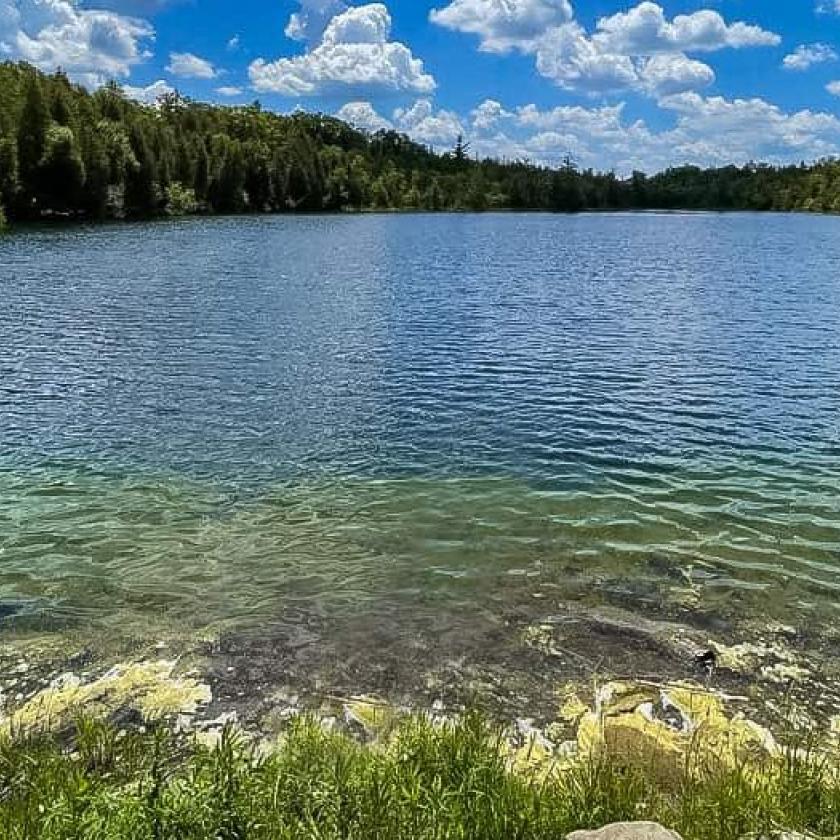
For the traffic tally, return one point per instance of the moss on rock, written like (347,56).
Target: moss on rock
(149,689)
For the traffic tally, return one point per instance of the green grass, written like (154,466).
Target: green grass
(427,784)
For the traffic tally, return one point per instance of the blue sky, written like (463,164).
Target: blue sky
(616,84)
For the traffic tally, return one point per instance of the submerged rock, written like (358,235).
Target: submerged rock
(148,689)
(627,831)
(769,662)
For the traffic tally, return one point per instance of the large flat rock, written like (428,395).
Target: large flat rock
(627,831)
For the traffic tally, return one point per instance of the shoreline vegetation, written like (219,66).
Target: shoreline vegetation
(375,772)
(66,153)
(145,750)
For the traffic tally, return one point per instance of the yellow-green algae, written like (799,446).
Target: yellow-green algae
(373,715)
(150,688)
(664,730)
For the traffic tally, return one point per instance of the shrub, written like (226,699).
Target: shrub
(180,200)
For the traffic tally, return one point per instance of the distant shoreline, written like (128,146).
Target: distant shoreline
(59,221)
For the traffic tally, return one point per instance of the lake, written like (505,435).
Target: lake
(383,433)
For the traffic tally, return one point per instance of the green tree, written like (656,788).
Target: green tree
(180,200)
(141,195)
(62,172)
(9,183)
(31,143)
(227,186)
(97,174)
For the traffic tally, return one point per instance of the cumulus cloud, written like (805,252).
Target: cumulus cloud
(503,24)
(363,115)
(571,59)
(833,88)
(574,61)
(640,49)
(150,94)
(189,66)
(806,56)
(488,115)
(229,90)
(308,24)
(424,124)
(354,52)
(707,131)
(89,44)
(645,29)
(669,73)
(436,128)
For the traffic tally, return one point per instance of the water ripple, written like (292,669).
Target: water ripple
(226,419)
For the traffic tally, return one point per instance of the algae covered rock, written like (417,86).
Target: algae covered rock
(668,730)
(370,715)
(627,831)
(529,750)
(148,689)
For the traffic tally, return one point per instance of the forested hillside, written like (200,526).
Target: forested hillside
(67,152)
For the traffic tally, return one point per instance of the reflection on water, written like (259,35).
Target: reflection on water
(228,421)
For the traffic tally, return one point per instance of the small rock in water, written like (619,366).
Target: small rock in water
(627,831)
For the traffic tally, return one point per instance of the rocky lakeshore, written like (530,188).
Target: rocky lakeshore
(662,709)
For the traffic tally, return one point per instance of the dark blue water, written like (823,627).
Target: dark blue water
(220,416)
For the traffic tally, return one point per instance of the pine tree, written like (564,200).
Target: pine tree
(141,198)
(9,183)
(31,142)
(62,172)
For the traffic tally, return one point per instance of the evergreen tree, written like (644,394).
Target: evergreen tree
(62,172)
(31,142)
(64,150)
(9,183)
(97,172)
(141,195)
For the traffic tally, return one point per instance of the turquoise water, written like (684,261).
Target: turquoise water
(243,421)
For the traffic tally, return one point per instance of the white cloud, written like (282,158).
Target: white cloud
(708,131)
(150,94)
(645,29)
(354,52)
(189,66)
(833,88)
(635,50)
(229,90)
(420,121)
(568,57)
(753,128)
(574,61)
(828,7)
(503,24)
(488,115)
(806,56)
(89,44)
(665,74)
(309,23)
(233,44)
(425,125)
(363,115)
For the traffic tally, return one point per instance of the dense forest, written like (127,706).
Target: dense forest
(66,152)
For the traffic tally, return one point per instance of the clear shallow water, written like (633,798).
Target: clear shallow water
(243,421)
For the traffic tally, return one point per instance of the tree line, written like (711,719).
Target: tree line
(68,152)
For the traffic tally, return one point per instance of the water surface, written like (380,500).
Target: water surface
(239,422)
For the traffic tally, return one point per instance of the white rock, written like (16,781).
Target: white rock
(627,831)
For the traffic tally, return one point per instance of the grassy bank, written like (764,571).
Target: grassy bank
(423,781)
